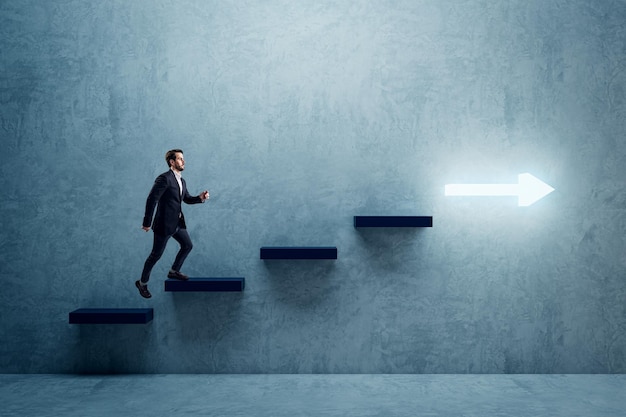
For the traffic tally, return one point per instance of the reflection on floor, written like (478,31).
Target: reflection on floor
(313,395)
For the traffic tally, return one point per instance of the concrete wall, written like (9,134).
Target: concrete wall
(298,115)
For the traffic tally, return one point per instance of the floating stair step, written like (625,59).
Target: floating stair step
(111,316)
(393,221)
(205,284)
(299,253)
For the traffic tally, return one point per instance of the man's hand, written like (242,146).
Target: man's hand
(204,195)
(146,229)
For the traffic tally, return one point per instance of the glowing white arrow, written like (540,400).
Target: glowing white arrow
(528,189)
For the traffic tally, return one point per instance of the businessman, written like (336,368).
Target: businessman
(167,194)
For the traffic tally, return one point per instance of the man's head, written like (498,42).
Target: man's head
(174,159)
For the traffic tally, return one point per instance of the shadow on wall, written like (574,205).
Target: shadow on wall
(103,348)
(203,317)
(389,248)
(301,283)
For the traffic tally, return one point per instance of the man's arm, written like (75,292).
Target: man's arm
(187,198)
(159,187)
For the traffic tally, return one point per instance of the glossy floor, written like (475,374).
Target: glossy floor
(313,395)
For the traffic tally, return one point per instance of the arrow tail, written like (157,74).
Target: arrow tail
(482,190)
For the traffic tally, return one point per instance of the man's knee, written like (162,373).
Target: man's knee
(155,255)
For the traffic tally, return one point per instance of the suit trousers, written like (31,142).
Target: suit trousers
(158,247)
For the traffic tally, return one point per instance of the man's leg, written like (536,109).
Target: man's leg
(158,247)
(182,237)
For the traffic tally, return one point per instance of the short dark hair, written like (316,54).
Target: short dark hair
(171,155)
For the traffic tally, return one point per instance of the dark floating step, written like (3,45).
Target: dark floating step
(299,253)
(205,284)
(111,316)
(393,221)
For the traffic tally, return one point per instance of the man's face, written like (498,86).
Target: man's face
(179,162)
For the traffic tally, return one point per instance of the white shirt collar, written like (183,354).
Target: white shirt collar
(177,174)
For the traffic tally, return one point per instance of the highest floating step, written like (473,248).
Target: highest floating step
(206,284)
(111,316)
(393,221)
(299,252)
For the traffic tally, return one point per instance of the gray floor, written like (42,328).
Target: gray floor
(313,395)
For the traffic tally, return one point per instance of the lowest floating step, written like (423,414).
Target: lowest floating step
(393,221)
(282,252)
(111,316)
(205,284)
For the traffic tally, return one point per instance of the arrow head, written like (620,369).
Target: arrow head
(531,189)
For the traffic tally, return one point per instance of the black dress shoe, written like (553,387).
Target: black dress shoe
(177,275)
(143,290)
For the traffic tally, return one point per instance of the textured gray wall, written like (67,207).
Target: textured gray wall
(298,115)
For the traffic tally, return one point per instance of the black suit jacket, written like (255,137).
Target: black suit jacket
(165,195)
